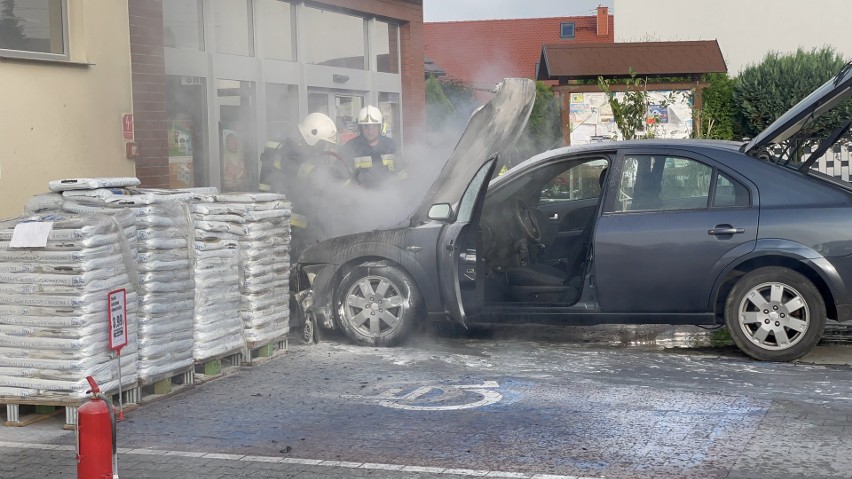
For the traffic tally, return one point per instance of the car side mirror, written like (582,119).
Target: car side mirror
(441,212)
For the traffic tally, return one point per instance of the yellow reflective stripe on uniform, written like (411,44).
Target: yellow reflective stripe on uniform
(387,160)
(298,221)
(264,187)
(273,144)
(363,161)
(305,170)
(277,163)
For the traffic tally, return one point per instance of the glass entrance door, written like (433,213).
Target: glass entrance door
(340,106)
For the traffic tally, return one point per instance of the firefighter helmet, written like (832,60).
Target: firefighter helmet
(369,115)
(317,127)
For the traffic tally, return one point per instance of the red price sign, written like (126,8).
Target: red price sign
(117,314)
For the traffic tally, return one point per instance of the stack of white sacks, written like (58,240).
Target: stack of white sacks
(166,288)
(217,231)
(265,262)
(54,311)
(212,269)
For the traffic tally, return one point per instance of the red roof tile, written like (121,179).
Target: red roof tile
(484,52)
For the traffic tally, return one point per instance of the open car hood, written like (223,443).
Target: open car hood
(492,129)
(810,108)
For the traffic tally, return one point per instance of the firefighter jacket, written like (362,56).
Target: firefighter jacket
(372,164)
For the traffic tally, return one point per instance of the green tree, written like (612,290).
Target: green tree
(438,106)
(544,126)
(11,28)
(716,117)
(629,112)
(764,91)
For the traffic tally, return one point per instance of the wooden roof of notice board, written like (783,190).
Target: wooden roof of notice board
(565,61)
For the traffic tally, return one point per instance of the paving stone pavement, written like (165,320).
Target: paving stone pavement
(564,410)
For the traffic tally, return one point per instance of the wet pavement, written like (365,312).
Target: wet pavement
(528,402)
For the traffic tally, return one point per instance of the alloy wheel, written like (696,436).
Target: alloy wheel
(774,316)
(374,306)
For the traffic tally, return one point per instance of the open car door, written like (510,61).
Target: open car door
(456,264)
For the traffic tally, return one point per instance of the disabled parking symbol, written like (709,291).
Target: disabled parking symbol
(442,397)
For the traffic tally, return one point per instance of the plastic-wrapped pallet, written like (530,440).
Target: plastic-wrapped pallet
(265,263)
(54,303)
(166,289)
(216,272)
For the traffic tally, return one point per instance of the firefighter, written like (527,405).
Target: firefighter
(301,168)
(371,155)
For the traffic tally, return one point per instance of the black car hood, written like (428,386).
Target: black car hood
(492,129)
(811,107)
(335,250)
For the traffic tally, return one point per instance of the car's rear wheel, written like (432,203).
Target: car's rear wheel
(377,305)
(775,314)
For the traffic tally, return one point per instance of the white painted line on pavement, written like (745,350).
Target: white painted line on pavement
(308,462)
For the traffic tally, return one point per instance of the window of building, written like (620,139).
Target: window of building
(566,30)
(386,47)
(334,39)
(282,110)
(182,24)
(234,29)
(34,29)
(276,21)
(389,106)
(186,109)
(237,135)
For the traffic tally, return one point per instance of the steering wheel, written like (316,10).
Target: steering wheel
(526,218)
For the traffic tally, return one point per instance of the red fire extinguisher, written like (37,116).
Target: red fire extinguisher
(96,436)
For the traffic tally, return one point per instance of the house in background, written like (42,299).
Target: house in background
(482,53)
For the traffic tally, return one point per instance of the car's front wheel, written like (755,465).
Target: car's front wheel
(377,305)
(775,314)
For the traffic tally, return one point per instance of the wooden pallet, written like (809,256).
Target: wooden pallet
(166,384)
(218,366)
(259,353)
(22,412)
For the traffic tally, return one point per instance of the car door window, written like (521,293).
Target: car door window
(468,201)
(662,182)
(730,193)
(580,182)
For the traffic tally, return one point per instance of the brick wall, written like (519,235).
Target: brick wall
(149,91)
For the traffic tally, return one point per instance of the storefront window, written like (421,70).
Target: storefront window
(35,28)
(186,109)
(282,110)
(276,23)
(334,39)
(235,101)
(386,46)
(182,24)
(389,106)
(233,27)
(346,116)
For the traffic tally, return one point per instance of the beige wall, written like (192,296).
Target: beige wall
(746,29)
(64,120)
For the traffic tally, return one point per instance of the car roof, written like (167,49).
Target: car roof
(612,146)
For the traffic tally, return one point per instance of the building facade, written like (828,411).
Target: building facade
(214,80)
(65,89)
(746,31)
(187,92)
